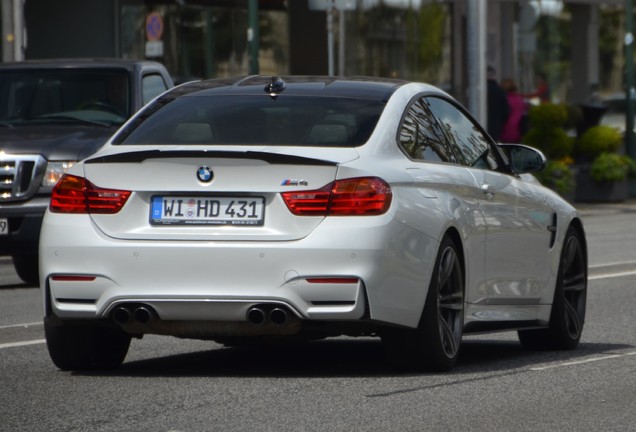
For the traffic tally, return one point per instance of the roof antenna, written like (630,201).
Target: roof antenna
(275,86)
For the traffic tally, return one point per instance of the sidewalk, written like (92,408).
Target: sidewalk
(593,209)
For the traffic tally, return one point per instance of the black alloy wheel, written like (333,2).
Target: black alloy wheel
(435,344)
(568,308)
(443,319)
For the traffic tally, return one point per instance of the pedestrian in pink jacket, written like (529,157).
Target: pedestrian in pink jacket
(511,131)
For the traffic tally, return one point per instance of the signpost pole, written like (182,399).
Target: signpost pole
(330,6)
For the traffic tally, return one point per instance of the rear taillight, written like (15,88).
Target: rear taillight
(74,194)
(362,196)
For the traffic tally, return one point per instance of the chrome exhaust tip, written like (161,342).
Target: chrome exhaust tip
(121,315)
(256,316)
(278,316)
(144,315)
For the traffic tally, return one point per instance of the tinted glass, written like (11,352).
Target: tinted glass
(421,137)
(468,139)
(56,94)
(256,120)
(152,86)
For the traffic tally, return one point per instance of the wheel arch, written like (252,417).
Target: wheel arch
(454,235)
(577,224)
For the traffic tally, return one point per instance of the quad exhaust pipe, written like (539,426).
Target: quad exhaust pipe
(278,316)
(259,315)
(141,314)
(144,314)
(256,315)
(121,315)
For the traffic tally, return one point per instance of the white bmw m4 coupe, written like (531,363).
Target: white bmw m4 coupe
(294,208)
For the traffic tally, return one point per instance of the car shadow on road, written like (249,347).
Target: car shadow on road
(16,285)
(349,358)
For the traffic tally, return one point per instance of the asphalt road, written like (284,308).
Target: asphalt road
(342,384)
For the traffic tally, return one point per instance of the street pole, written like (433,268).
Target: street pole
(18,30)
(341,42)
(476,55)
(630,143)
(8,37)
(252,36)
(330,6)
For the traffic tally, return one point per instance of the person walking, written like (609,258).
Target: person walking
(498,108)
(542,92)
(512,128)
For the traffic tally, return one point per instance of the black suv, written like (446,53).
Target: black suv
(52,114)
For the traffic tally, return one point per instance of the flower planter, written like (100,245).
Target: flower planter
(590,191)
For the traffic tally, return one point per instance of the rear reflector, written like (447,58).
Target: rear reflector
(74,194)
(332,280)
(73,278)
(362,196)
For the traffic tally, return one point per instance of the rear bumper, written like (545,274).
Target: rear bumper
(343,275)
(100,297)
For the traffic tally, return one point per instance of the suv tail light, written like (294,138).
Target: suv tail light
(74,194)
(362,196)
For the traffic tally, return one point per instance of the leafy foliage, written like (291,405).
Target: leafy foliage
(612,167)
(547,132)
(428,24)
(598,140)
(553,142)
(557,176)
(548,115)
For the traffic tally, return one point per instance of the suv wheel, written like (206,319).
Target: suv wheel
(26,266)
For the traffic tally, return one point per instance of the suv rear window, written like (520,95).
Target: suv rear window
(256,120)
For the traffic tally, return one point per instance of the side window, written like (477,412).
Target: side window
(421,137)
(468,139)
(152,86)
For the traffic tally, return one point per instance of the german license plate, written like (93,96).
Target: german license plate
(4,226)
(179,210)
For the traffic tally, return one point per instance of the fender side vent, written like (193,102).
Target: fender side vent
(553,230)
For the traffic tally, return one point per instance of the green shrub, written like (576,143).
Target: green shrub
(553,142)
(557,176)
(547,116)
(597,140)
(611,167)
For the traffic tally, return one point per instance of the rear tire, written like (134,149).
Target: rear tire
(434,345)
(568,308)
(27,268)
(84,347)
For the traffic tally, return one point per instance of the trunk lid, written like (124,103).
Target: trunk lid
(202,195)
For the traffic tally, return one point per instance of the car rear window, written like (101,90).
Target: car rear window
(256,120)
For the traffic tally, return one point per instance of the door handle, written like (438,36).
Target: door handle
(485,188)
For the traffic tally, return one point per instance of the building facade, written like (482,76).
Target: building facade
(576,44)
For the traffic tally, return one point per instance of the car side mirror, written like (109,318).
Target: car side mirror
(523,159)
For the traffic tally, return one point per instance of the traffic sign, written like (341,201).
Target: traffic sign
(154,26)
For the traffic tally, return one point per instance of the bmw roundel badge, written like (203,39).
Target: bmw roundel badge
(204,174)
